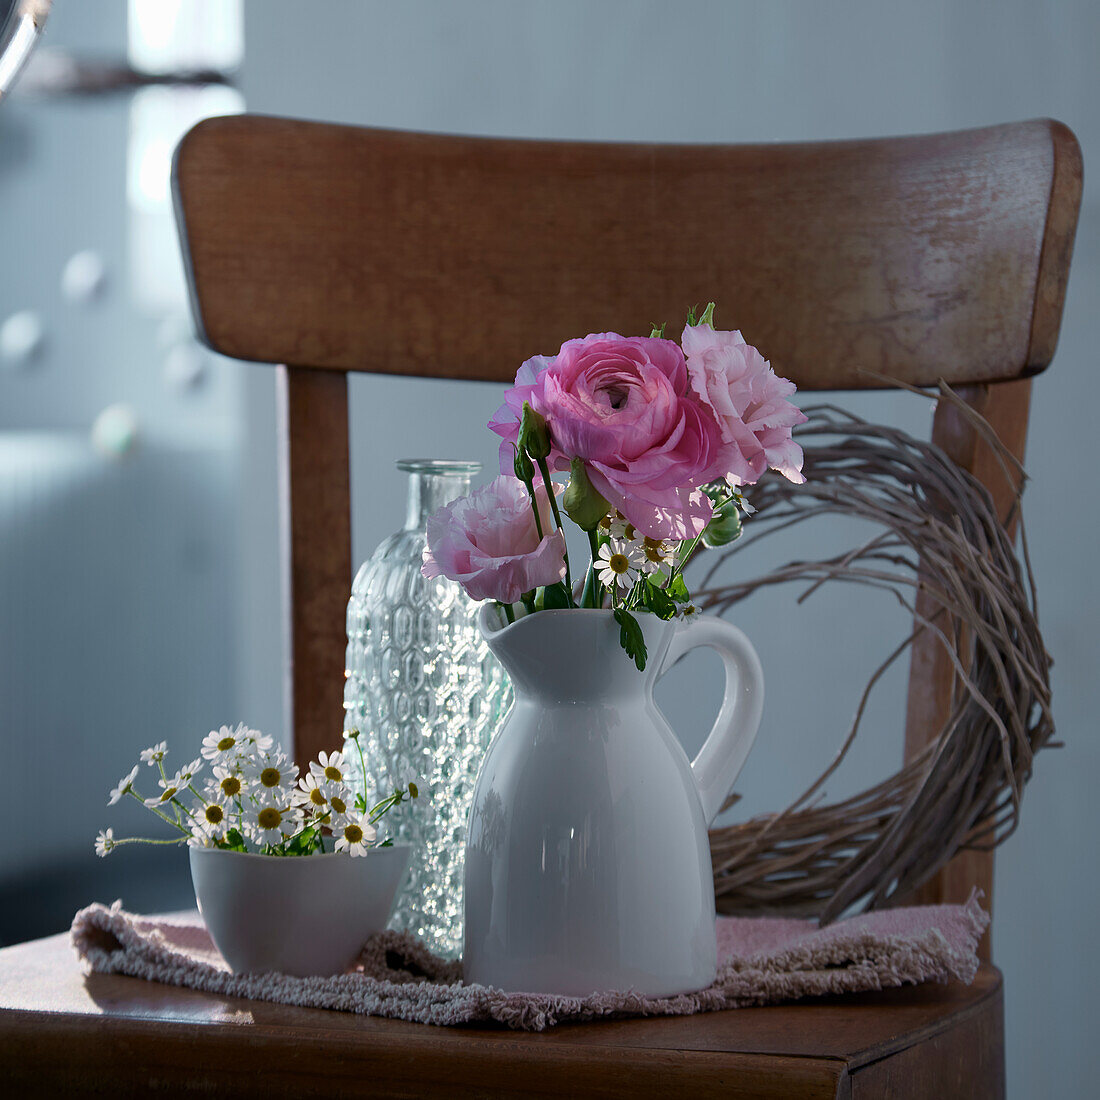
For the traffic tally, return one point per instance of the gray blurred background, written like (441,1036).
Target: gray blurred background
(139,588)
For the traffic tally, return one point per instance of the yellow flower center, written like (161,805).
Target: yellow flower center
(333,773)
(339,805)
(653,553)
(618,563)
(630,532)
(214,814)
(169,794)
(269,818)
(353,834)
(316,797)
(226,743)
(231,786)
(270,777)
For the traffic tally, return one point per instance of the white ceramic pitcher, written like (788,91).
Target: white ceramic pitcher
(587,859)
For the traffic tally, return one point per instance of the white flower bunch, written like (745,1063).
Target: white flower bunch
(253,800)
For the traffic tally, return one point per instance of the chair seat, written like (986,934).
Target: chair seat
(66,1034)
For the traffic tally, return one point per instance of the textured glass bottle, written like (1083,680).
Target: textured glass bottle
(427,695)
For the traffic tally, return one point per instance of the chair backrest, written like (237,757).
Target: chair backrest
(328,249)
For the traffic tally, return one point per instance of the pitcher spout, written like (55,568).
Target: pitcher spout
(573,653)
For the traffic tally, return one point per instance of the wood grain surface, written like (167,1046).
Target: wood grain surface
(64,1033)
(315,533)
(376,250)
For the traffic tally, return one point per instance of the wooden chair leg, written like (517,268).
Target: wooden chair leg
(315,536)
(932,676)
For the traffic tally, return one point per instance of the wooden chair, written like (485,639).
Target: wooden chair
(331,249)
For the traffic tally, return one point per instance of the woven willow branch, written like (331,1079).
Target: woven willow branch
(964,789)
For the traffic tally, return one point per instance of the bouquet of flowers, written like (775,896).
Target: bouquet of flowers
(657,441)
(255,801)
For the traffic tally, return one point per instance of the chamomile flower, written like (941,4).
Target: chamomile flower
(619,562)
(156,801)
(125,786)
(329,768)
(271,822)
(223,744)
(255,741)
(187,773)
(155,753)
(209,823)
(226,784)
(311,795)
(658,554)
(354,834)
(340,799)
(742,503)
(105,842)
(615,525)
(270,775)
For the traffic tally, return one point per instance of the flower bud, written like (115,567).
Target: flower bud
(534,436)
(523,466)
(724,527)
(583,505)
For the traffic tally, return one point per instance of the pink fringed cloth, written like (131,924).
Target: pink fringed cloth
(761,961)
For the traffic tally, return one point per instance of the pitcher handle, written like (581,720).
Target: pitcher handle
(727,746)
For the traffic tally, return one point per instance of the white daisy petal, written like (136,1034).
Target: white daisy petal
(330,768)
(155,753)
(125,785)
(619,562)
(354,834)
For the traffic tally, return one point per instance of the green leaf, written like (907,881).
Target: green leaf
(678,589)
(553,597)
(234,840)
(724,527)
(630,637)
(302,844)
(658,600)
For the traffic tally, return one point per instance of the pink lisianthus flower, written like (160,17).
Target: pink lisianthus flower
(625,408)
(750,402)
(488,542)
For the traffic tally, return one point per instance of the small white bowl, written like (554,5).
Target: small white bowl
(299,915)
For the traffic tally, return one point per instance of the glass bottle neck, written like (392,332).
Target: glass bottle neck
(433,484)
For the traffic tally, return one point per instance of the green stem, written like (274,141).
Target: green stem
(160,813)
(362,766)
(685,555)
(592,596)
(534,507)
(385,805)
(545,471)
(145,840)
(509,614)
(164,776)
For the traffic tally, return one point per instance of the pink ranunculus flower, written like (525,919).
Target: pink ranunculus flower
(750,401)
(624,406)
(488,542)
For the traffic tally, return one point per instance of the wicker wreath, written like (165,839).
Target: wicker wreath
(963,790)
